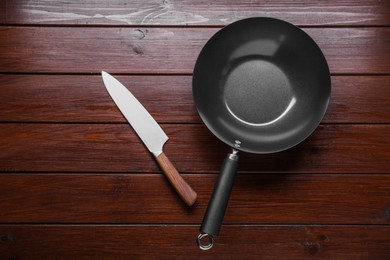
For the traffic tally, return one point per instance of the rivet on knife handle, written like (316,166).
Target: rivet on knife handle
(184,190)
(150,133)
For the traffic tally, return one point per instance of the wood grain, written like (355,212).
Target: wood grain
(74,98)
(187,12)
(166,50)
(148,198)
(192,148)
(184,190)
(156,242)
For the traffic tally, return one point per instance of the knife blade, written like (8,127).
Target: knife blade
(150,133)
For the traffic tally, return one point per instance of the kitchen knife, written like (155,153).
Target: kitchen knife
(150,133)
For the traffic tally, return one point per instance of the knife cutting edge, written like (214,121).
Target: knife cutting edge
(150,133)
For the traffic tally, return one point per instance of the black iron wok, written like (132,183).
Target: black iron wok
(261,85)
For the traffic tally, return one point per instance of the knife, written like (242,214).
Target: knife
(150,133)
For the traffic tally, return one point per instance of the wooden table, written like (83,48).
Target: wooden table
(76,181)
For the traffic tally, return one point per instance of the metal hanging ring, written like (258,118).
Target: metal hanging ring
(201,240)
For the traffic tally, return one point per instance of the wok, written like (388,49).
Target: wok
(261,85)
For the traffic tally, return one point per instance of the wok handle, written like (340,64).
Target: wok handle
(215,212)
(186,193)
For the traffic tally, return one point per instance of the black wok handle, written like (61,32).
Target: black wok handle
(212,220)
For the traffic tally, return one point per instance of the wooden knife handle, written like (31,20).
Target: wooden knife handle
(184,190)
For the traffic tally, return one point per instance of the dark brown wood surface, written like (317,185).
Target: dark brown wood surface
(166,50)
(282,198)
(191,148)
(81,98)
(76,181)
(176,241)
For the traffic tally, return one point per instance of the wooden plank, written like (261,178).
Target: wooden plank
(192,148)
(189,12)
(356,99)
(163,242)
(166,50)
(72,98)
(3,12)
(148,198)
(68,98)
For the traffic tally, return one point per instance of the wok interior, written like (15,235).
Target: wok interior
(261,85)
